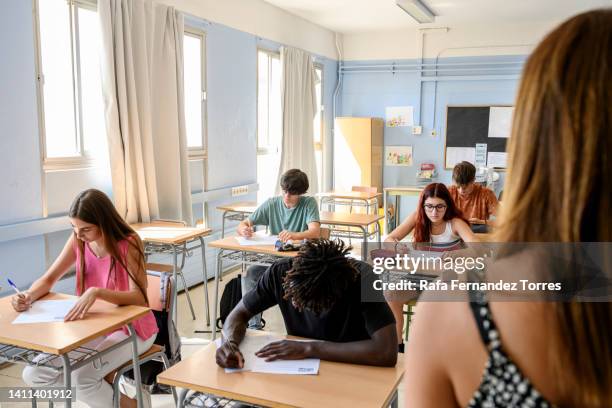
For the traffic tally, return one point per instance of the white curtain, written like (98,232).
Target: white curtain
(142,80)
(298,104)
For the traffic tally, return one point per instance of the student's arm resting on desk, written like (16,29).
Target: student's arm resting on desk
(131,297)
(463,230)
(43,285)
(313,232)
(403,229)
(379,350)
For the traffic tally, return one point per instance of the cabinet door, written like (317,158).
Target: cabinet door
(352,153)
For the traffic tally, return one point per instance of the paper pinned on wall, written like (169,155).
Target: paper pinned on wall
(481,155)
(500,121)
(398,116)
(456,155)
(497,159)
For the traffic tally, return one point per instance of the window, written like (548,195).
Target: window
(318,126)
(195,92)
(269,122)
(72,111)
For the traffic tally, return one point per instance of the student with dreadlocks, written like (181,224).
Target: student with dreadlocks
(319,293)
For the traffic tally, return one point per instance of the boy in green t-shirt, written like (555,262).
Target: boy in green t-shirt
(291,216)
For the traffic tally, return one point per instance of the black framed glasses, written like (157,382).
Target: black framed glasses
(431,208)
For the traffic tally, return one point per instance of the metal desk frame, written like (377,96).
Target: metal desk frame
(25,356)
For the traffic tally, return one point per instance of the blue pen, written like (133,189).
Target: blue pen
(14,286)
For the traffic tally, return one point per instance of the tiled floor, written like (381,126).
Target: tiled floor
(11,375)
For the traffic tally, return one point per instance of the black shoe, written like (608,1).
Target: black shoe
(400,347)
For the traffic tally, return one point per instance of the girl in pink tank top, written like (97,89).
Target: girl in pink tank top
(110,266)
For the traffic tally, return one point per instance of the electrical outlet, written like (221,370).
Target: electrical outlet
(240,190)
(417,130)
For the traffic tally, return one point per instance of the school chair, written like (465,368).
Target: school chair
(155,248)
(363,189)
(157,301)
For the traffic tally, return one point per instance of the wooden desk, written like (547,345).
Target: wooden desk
(336,385)
(397,192)
(167,237)
(21,343)
(333,198)
(230,249)
(236,211)
(360,221)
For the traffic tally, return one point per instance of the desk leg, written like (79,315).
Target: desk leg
(396,218)
(223,224)
(204,271)
(393,403)
(181,398)
(174,287)
(364,244)
(217,275)
(67,377)
(136,366)
(378,235)
(386,207)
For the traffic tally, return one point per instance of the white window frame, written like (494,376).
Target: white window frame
(82,160)
(271,54)
(321,145)
(201,153)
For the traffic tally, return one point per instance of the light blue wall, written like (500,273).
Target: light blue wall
(477,81)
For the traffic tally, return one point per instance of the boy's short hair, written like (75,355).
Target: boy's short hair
(464,173)
(294,182)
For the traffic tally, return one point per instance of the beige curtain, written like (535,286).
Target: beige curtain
(142,79)
(298,105)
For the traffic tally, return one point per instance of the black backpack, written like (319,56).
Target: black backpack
(229,299)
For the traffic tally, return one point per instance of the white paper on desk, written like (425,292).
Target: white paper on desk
(251,344)
(45,311)
(258,239)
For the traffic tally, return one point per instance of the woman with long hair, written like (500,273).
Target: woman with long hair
(109,260)
(438,225)
(558,189)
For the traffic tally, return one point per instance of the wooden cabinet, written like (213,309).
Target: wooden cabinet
(358,153)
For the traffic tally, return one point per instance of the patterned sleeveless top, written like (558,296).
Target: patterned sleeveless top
(502,384)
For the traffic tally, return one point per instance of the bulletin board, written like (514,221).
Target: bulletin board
(477,134)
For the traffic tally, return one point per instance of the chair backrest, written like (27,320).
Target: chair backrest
(324,233)
(365,189)
(158,275)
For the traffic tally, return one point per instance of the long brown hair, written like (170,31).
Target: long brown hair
(559,183)
(422,227)
(94,207)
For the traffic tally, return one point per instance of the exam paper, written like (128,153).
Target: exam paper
(45,311)
(251,344)
(258,239)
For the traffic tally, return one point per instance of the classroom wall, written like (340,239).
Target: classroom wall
(369,93)
(263,20)
(231,126)
(477,39)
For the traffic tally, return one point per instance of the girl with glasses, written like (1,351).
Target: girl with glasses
(439,225)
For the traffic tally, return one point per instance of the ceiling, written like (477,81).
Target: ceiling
(353,16)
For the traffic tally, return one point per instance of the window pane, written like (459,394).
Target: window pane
(92,104)
(192,68)
(276,113)
(317,119)
(267,172)
(262,99)
(55,49)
